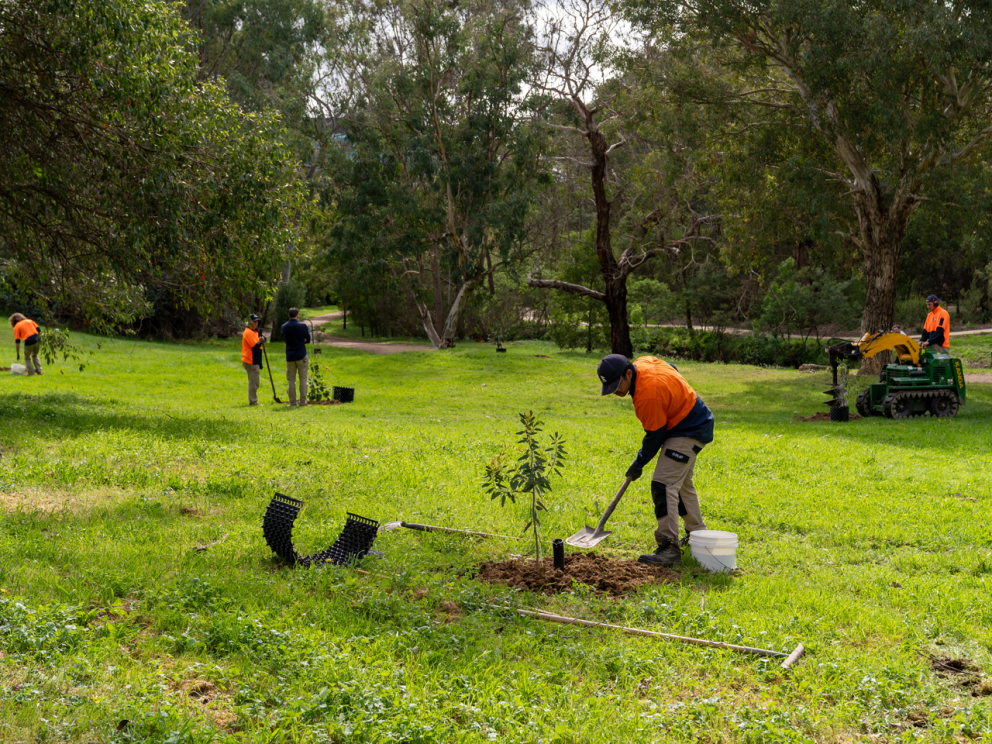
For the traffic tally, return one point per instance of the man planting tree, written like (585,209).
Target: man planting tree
(251,357)
(675,418)
(27,330)
(297,336)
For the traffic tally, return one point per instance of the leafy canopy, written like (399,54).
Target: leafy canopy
(122,172)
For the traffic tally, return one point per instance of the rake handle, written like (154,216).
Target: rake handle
(432,528)
(269,367)
(549,617)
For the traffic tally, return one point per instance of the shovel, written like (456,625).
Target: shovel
(588,537)
(274,396)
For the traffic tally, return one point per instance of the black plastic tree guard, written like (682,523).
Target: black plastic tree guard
(354,542)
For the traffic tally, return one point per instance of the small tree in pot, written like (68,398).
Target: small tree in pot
(530,474)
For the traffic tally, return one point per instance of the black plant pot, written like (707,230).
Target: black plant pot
(840,413)
(344,394)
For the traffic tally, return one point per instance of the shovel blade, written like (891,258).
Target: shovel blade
(587,537)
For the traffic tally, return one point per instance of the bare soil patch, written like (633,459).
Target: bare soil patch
(42,500)
(983,378)
(821,416)
(609,575)
(373,347)
(329,402)
(945,666)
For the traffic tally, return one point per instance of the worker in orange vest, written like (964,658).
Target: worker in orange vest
(677,425)
(937,328)
(27,330)
(251,357)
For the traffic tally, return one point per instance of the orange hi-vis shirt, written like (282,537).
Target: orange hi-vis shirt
(249,340)
(662,397)
(939,318)
(25,329)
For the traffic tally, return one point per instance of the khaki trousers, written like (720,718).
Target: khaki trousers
(672,490)
(253,382)
(294,369)
(31,356)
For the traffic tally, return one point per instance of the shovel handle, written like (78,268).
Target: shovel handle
(432,528)
(612,506)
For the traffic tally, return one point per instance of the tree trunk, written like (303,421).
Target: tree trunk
(436,275)
(454,313)
(589,330)
(882,231)
(616,282)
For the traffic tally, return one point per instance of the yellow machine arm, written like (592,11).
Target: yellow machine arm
(905,348)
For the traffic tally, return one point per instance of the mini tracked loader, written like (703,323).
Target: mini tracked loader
(920,382)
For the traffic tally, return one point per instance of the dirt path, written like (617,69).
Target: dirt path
(984,378)
(373,347)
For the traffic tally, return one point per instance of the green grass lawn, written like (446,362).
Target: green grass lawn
(870,542)
(975,350)
(310,312)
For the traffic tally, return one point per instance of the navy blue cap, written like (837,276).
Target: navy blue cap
(611,371)
(254,317)
(933,298)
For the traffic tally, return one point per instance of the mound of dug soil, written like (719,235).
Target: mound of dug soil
(328,402)
(603,574)
(821,416)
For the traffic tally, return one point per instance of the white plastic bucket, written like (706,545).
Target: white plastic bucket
(18,369)
(715,550)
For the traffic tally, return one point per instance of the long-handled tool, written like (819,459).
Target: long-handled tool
(588,537)
(266,355)
(432,528)
(790,659)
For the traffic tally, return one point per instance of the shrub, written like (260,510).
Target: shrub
(752,348)
(289,294)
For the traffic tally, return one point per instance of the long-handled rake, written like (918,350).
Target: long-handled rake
(788,659)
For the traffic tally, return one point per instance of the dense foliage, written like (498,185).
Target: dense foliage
(122,174)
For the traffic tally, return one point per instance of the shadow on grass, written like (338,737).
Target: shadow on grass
(68,414)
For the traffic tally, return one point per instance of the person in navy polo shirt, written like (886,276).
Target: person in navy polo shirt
(677,424)
(297,336)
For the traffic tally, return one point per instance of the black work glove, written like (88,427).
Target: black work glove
(633,472)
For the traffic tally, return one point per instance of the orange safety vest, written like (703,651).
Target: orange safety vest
(662,396)
(25,329)
(939,318)
(248,341)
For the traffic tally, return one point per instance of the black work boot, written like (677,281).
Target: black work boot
(667,554)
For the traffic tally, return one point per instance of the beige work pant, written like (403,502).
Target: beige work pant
(672,490)
(31,357)
(292,370)
(253,382)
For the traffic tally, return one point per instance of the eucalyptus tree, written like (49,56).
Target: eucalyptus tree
(264,51)
(655,213)
(898,92)
(439,160)
(121,174)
